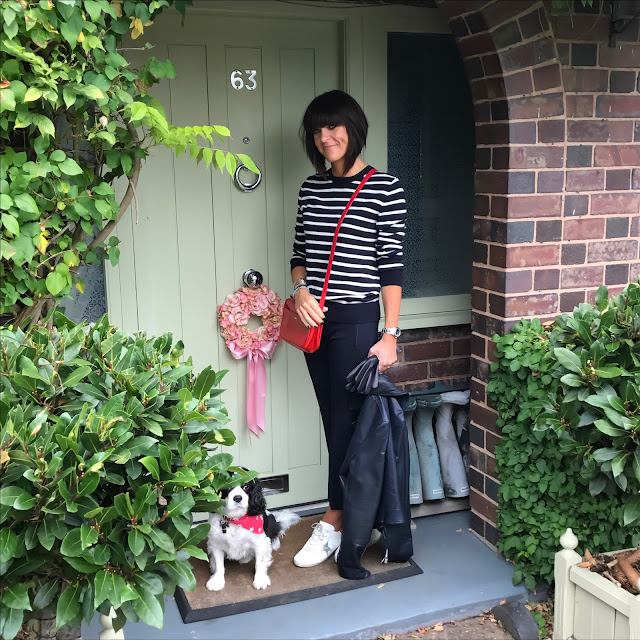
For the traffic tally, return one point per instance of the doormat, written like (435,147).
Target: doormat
(288,582)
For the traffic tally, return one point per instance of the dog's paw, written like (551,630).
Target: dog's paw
(215,583)
(261,582)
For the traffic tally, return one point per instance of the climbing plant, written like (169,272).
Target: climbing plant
(74,117)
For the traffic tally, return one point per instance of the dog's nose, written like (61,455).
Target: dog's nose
(237,498)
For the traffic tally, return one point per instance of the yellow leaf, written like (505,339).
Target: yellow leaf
(117,7)
(4,457)
(148,24)
(438,627)
(80,286)
(81,37)
(42,243)
(218,437)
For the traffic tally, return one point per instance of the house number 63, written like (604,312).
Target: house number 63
(239,82)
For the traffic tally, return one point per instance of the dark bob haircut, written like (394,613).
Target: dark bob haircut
(334,108)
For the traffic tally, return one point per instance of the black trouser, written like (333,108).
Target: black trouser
(343,346)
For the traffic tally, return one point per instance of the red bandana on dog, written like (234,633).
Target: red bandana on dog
(255,524)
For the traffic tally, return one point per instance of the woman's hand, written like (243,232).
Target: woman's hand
(386,351)
(308,309)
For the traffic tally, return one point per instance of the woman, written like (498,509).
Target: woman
(368,260)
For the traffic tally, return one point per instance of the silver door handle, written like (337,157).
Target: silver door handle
(247,187)
(252,278)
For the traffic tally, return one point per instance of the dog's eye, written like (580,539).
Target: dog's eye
(245,487)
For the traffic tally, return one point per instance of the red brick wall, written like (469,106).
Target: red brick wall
(428,355)
(557,206)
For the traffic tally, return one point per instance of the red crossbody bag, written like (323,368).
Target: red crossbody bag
(292,329)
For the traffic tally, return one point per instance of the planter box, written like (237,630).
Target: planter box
(588,606)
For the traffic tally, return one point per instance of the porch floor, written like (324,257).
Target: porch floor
(462,577)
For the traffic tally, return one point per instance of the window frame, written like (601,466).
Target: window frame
(424,312)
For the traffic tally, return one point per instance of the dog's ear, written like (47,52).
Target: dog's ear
(257,503)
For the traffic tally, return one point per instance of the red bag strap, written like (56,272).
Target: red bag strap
(335,236)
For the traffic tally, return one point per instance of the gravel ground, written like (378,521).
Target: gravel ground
(483,627)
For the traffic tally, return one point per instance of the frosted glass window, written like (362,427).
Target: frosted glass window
(431,148)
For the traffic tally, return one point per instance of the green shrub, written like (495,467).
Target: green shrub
(544,484)
(596,414)
(105,444)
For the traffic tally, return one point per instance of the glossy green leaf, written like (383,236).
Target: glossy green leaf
(136,542)
(148,607)
(68,606)
(13,619)
(72,544)
(45,594)
(70,167)
(568,359)
(151,465)
(8,544)
(16,597)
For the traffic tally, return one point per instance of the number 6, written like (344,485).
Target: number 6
(236,80)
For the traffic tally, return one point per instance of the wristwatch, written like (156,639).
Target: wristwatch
(393,331)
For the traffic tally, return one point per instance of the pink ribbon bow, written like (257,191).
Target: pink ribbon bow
(256,380)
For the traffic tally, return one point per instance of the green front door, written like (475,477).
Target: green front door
(196,232)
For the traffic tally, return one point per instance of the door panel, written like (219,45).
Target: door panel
(197,233)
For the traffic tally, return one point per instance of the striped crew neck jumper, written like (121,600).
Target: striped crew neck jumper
(369,252)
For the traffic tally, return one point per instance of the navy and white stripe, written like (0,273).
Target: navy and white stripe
(369,252)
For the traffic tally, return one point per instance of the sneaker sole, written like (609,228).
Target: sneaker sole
(315,564)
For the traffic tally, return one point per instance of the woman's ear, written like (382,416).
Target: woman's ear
(257,503)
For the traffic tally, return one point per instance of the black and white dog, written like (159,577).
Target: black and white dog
(245,531)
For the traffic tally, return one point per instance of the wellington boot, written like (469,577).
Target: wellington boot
(415,484)
(432,488)
(454,475)
(461,420)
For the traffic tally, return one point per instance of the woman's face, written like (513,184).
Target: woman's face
(332,142)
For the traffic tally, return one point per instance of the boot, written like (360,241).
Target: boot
(454,474)
(426,447)
(415,484)
(461,420)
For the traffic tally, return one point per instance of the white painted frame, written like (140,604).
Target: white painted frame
(588,606)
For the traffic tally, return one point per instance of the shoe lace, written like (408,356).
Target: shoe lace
(318,537)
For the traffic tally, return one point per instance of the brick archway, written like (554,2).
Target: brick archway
(516,83)
(557,204)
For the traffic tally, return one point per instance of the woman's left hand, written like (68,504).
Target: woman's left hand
(386,351)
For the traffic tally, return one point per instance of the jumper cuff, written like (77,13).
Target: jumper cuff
(297,261)
(391,276)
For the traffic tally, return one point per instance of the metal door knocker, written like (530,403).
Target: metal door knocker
(247,187)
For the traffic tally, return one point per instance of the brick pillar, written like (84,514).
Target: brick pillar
(516,83)
(557,177)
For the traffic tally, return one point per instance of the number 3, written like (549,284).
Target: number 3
(238,83)
(252,78)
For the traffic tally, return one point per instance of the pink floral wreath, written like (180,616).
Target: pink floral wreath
(234,313)
(256,346)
